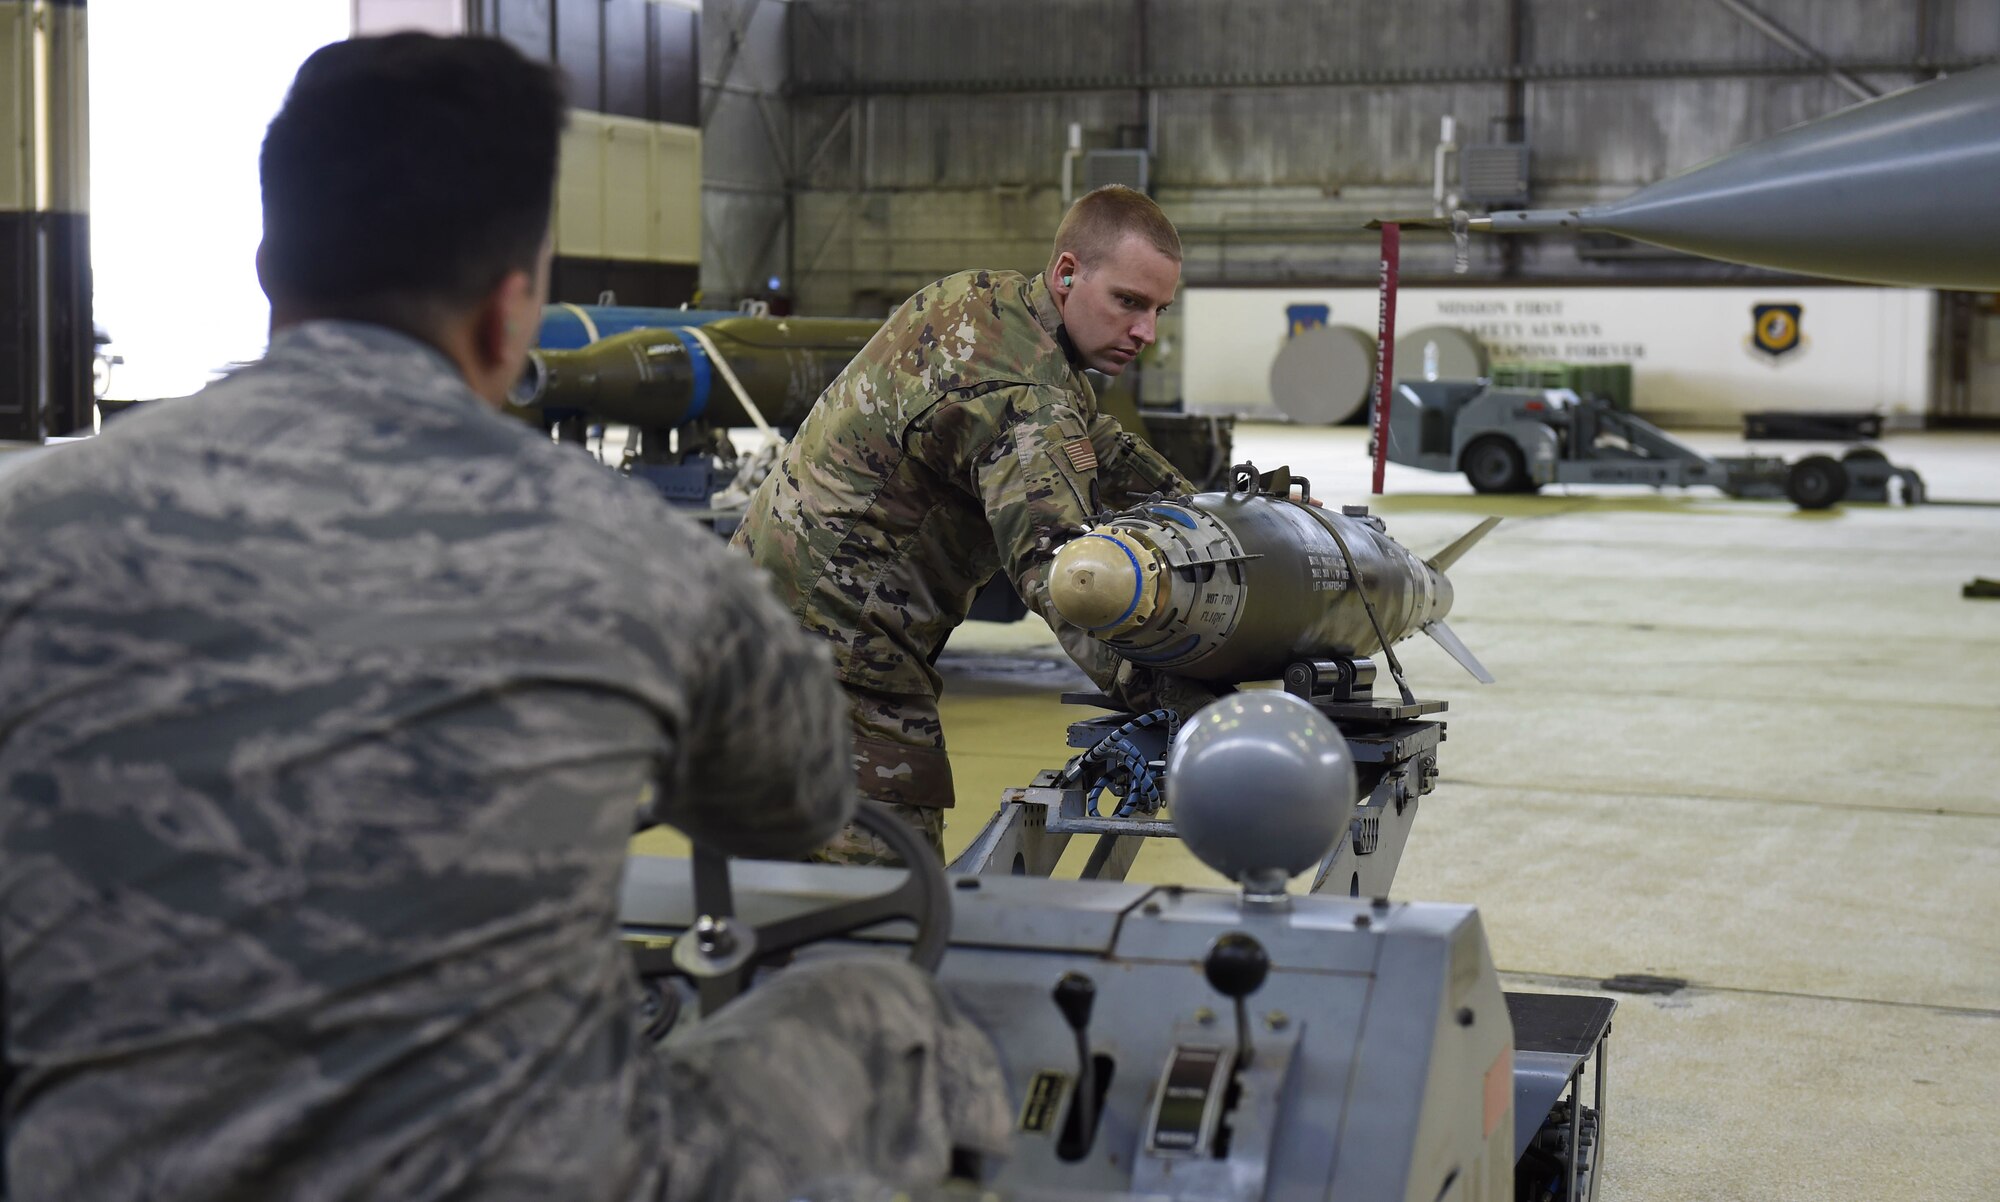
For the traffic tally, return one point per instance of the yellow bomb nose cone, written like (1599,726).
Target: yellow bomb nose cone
(1105,582)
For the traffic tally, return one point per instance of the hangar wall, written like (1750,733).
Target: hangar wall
(677,179)
(933,134)
(45,310)
(1969,374)
(1693,359)
(628,212)
(748,149)
(441,17)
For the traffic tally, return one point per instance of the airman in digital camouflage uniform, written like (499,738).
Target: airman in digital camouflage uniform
(965,439)
(327,700)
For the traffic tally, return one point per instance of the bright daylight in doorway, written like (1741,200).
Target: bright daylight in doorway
(179,98)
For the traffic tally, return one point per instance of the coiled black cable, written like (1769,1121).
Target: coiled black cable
(1126,769)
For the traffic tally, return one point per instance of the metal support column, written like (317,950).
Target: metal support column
(45,338)
(1516,118)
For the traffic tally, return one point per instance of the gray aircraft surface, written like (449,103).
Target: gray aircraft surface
(1898,190)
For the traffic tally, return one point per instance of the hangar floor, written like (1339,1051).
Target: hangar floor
(1730,742)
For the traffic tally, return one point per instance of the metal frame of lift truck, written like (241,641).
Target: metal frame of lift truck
(1367,1060)
(1394,748)
(1395,760)
(1516,440)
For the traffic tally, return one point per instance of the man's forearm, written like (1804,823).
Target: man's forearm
(1136,687)
(1133,468)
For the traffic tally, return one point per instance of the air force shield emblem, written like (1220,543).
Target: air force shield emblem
(1774,329)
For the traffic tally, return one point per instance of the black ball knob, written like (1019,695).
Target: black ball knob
(1236,965)
(1075,995)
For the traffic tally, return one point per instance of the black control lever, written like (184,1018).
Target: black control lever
(1237,965)
(1075,996)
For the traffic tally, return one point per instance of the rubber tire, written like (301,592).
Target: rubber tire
(1816,482)
(1495,464)
(1864,455)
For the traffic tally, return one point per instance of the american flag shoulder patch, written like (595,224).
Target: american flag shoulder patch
(1082,455)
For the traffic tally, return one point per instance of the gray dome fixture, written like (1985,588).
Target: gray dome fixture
(1324,375)
(1260,787)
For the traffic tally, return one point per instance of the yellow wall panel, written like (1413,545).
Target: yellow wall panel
(16,192)
(629,190)
(67,118)
(580,189)
(677,192)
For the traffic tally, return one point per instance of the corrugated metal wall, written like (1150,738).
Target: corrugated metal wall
(633,59)
(747,148)
(628,58)
(1280,124)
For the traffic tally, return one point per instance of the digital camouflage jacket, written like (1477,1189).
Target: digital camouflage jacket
(327,699)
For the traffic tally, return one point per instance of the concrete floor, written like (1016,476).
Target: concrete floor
(1730,742)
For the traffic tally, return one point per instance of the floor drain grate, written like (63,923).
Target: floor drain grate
(1639,982)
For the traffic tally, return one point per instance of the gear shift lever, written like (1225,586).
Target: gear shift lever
(1237,965)
(1075,996)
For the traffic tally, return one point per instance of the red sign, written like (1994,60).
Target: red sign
(1385,337)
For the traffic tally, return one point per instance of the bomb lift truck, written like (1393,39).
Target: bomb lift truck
(1514,440)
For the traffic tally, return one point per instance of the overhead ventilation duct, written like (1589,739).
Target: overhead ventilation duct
(1131,168)
(1494,175)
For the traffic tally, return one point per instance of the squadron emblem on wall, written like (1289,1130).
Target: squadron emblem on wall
(1774,329)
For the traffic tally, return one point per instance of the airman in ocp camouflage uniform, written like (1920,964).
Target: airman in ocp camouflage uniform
(963,440)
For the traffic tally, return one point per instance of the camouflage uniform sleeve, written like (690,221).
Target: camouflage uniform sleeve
(1128,466)
(846,1069)
(1041,478)
(765,766)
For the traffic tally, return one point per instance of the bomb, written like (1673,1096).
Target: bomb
(1240,585)
(658,379)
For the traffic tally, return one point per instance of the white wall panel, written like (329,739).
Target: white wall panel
(393,16)
(1983,391)
(1863,349)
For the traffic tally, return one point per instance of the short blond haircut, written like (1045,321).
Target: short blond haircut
(1100,219)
